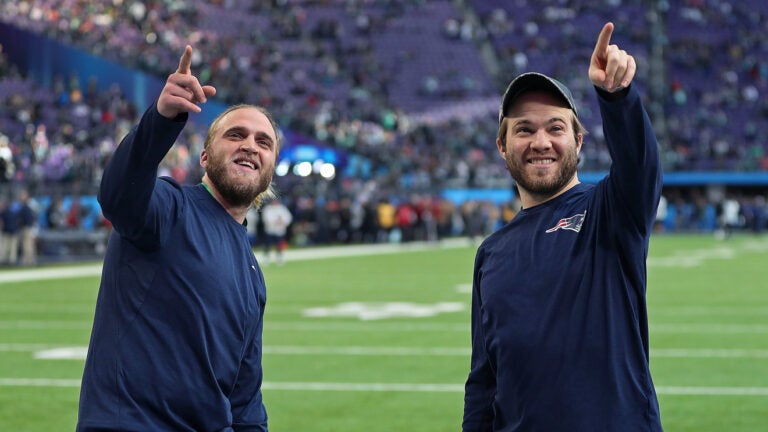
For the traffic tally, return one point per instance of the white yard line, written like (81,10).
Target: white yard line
(321,326)
(78,352)
(709,328)
(68,272)
(368,351)
(364,387)
(398,387)
(45,325)
(84,270)
(708,353)
(404,327)
(713,391)
(38,382)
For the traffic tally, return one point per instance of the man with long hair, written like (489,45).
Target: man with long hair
(177,334)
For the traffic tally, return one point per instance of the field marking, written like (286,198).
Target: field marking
(368,311)
(87,270)
(365,326)
(45,325)
(74,308)
(692,258)
(308,325)
(708,353)
(378,326)
(466,352)
(38,382)
(364,387)
(51,273)
(713,391)
(398,387)
(51,352)
(697,257)
(368,351)
(709,328)
(708,311)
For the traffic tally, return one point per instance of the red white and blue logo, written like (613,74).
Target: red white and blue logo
(572,223)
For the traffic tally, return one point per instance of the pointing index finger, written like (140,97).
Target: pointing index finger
(186,61)
(603,40)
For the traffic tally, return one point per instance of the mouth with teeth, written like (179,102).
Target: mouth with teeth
(541,161)
(246,163)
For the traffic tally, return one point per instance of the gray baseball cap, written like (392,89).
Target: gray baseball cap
(534,81)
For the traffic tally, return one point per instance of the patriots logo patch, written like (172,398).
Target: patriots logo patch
(572,223)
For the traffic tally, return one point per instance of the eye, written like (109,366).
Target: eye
(557,129)
(524,131)
(266,143)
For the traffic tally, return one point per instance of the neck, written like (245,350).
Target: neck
(237,212)
(530,199)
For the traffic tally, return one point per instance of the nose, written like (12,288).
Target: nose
(249,145)
(540,140)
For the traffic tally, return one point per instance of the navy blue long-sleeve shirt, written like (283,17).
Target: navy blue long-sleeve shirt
(176,340)
(559,322)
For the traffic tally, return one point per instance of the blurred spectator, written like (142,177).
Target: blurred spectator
(11,220)
(385,217)
(276,218)
(729,219)
(55,215)
(75,214)
(28,228)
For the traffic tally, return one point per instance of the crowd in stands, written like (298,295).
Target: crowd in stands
(714,76)
(400,85)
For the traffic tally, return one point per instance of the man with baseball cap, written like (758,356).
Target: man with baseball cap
(559,319)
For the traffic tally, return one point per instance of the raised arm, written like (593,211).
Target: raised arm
(128,182)
(635,176)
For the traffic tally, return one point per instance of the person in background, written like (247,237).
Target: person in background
(385,220)
(177,332)
(559,317)
(9,240)
(729,218)
(28,228)
(276,219)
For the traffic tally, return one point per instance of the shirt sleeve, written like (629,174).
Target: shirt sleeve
(635,179)
(128,193)
(480,388)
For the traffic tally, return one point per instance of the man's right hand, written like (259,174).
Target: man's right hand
(182,91)
(610,68)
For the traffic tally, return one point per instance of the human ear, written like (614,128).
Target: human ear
(502,148)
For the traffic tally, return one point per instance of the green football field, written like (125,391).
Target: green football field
(375,339)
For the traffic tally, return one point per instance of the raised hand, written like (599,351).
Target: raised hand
(182,91)
(610,67)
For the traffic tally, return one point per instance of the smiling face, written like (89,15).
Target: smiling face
(240,155)
(540,146)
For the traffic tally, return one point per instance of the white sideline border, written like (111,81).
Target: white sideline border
(409,327)
(688,259)
(60,352)
(397,387)
(314,253)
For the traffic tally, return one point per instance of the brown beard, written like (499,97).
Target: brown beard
(543,188)
(236,194)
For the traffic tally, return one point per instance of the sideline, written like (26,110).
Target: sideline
(301,254)
(400,387)
(54,352)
